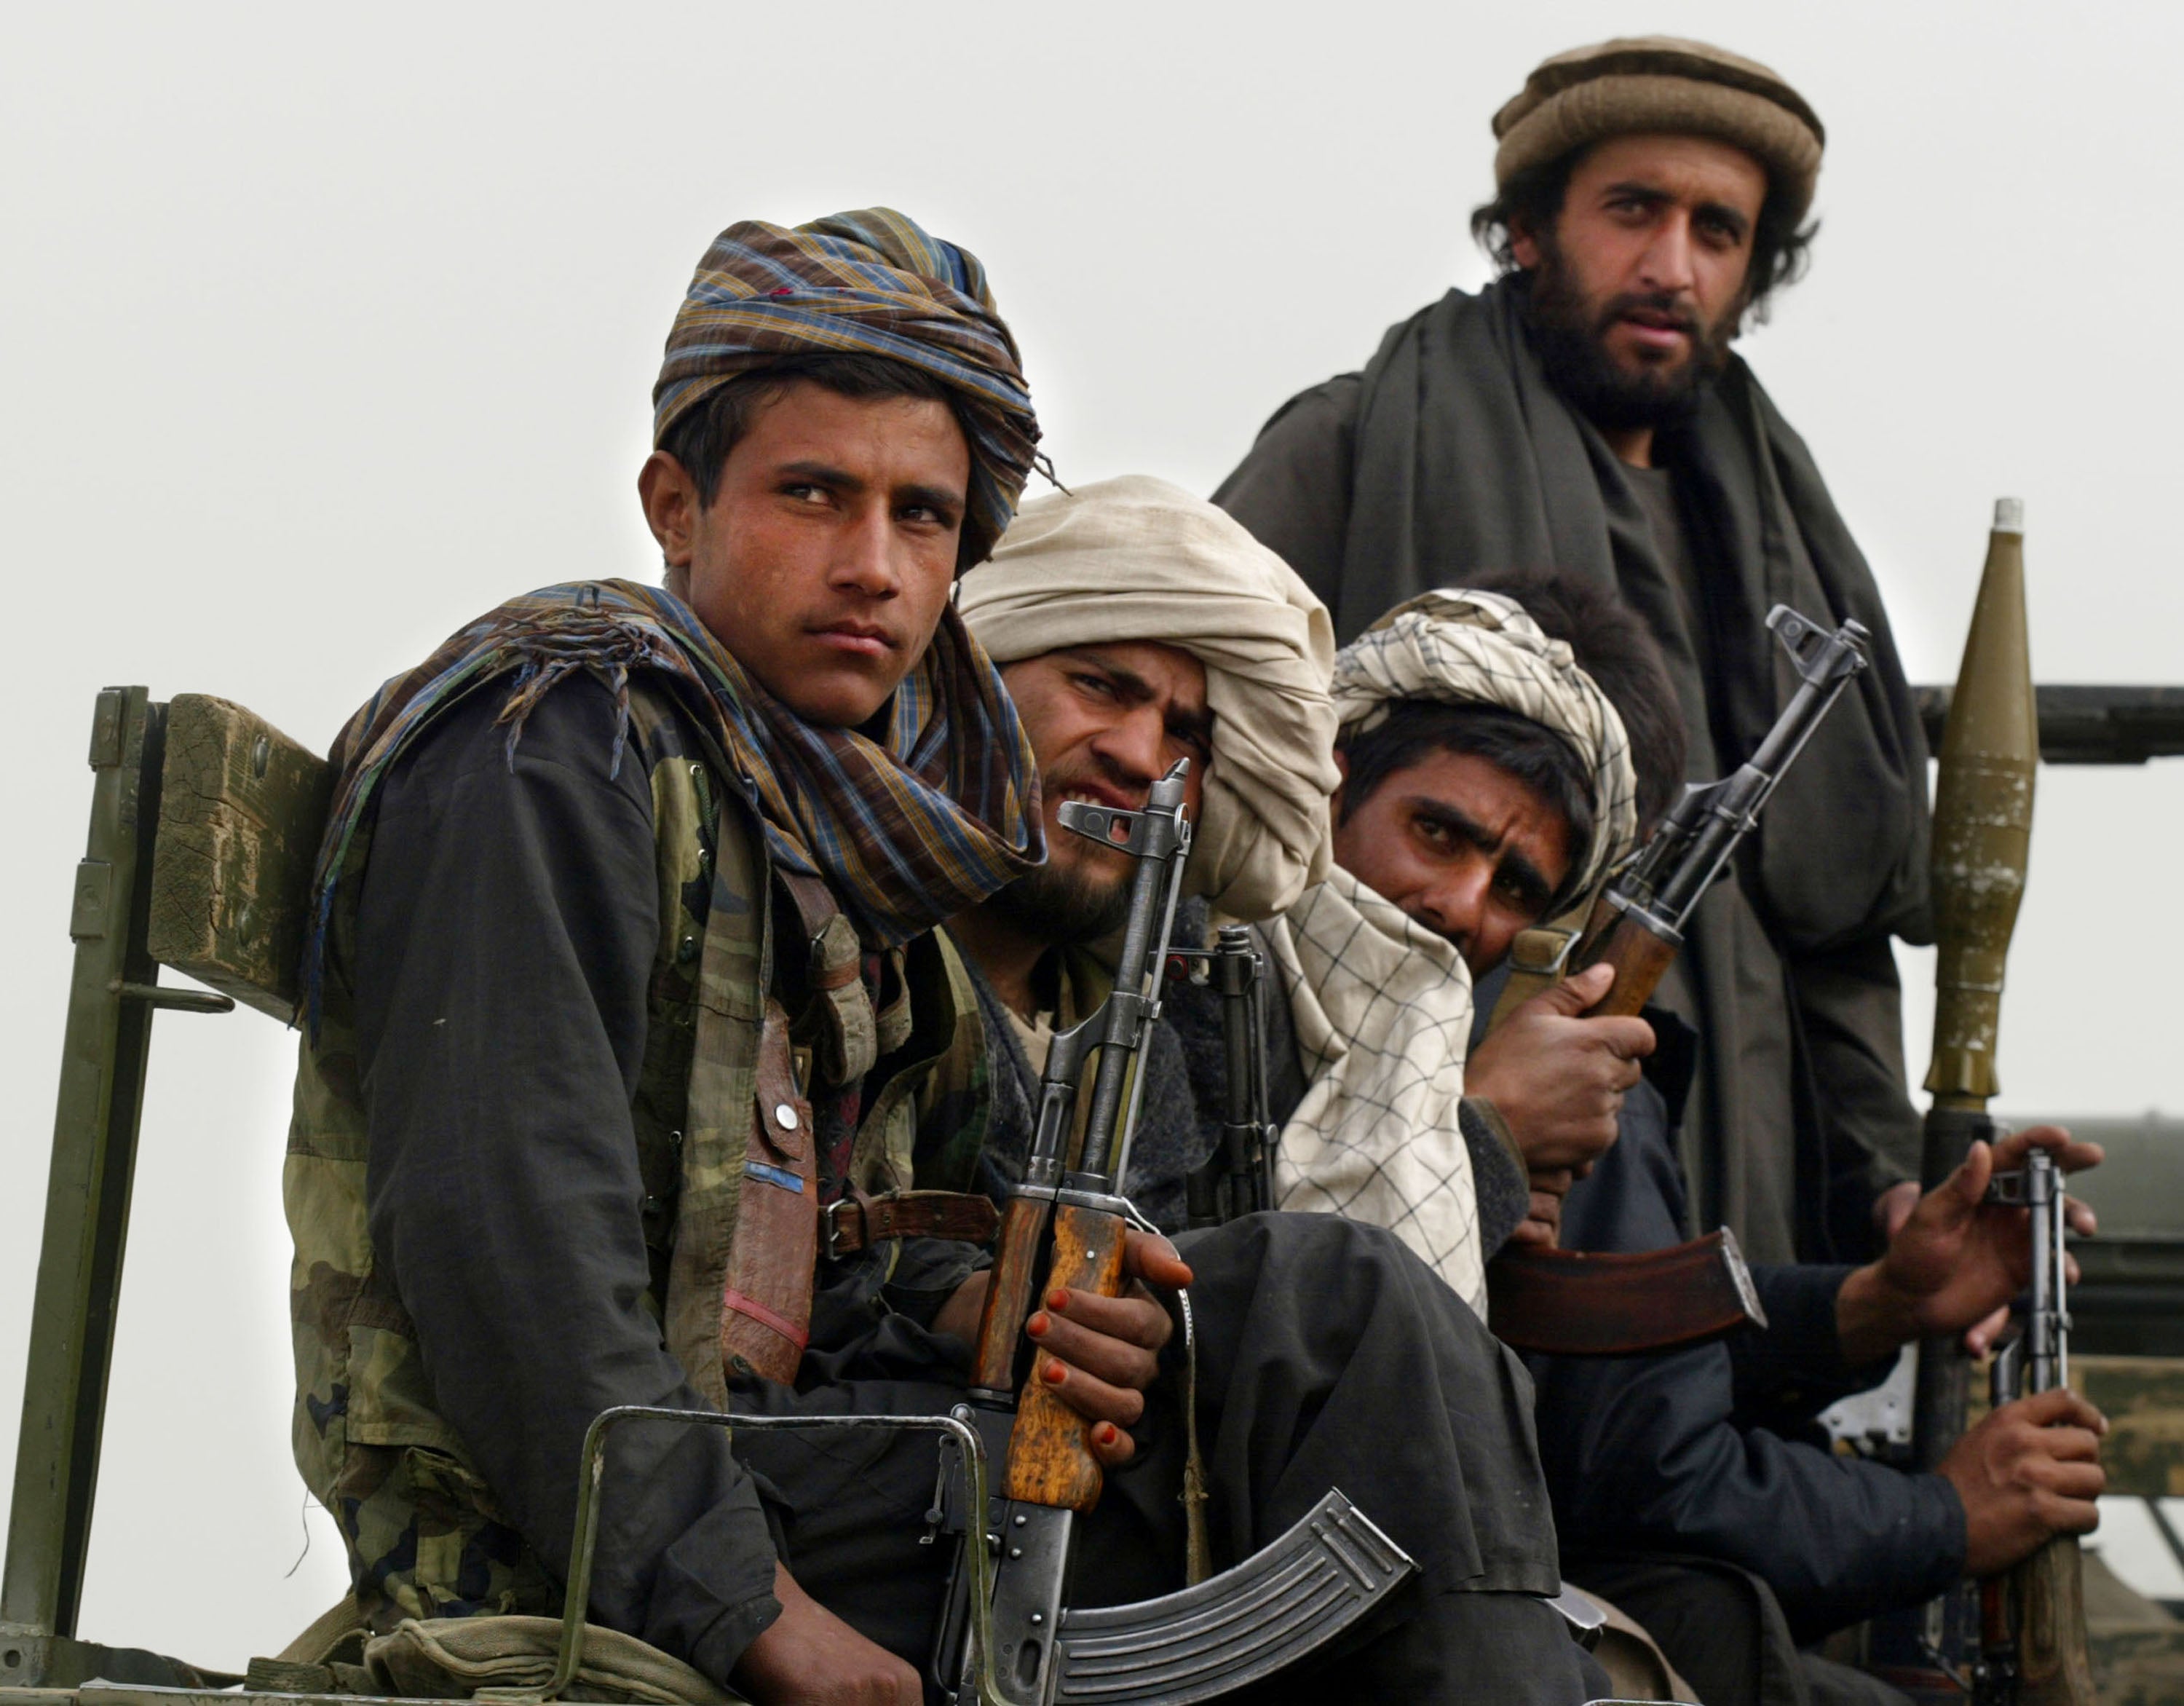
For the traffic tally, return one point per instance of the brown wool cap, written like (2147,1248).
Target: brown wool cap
(1640,83)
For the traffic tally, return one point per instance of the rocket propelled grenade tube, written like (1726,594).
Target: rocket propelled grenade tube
(1982,831)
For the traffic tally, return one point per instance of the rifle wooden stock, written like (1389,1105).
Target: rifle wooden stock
(2047,1597)
(1573,1303)
(1051,1461)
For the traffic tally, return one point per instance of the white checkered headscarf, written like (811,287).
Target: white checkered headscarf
(1382,1005)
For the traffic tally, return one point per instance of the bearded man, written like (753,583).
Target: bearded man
(1585,414)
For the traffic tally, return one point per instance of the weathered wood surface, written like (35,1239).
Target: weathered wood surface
(240,813)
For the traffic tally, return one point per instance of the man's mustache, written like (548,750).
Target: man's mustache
(1672,310)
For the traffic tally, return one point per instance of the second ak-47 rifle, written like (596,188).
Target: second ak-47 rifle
(1068,1219)
(2021,1639)
(1547,1300)
(1237,1178)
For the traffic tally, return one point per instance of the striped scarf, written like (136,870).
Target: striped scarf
(905,829)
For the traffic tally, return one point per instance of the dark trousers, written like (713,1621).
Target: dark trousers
(1327,1355)
(1721,1628)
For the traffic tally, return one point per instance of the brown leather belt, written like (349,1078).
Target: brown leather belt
(858,1222)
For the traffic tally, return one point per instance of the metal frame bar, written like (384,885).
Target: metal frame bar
(584,1543)
(112,993)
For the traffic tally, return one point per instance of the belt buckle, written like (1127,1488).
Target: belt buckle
(830,1225)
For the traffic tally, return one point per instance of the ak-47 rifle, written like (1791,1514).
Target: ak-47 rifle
(2025,1642)
(1547,1300)
(1069,1221)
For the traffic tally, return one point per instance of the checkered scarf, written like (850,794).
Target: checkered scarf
(905,830)
(1382,1005)
(872,282)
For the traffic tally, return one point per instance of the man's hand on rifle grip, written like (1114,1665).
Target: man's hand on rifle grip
(2029,1471)
(1100,1355)
(1958,1260)
(1558,1079)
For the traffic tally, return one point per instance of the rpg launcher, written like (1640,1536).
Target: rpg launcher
(1067,1221)
(2023,1640)
(1571,1303)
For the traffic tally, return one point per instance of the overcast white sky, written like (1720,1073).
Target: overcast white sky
(322,330)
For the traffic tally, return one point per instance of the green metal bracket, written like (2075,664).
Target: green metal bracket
(954,1428)
(112,995)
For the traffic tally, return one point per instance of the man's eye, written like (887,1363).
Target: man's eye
(1518,894)
(1434,832)
(1098,686)
(804,491)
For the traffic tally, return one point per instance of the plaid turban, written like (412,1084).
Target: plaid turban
(870,283)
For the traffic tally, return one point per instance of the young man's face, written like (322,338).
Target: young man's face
(828,552)
(1642,279)
(1105,722)
(1462,846)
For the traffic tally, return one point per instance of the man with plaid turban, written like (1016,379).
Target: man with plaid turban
(621,975)
(1585,414)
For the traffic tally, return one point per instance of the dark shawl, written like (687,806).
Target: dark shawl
(1452,457)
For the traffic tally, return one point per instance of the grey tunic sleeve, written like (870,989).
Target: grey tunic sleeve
(506,932)
(1292,490)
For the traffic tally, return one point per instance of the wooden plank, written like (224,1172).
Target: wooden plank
(240,816)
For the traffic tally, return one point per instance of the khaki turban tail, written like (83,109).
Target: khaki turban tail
(1136,559)
(872,282)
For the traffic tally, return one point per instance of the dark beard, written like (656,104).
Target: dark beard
(1064,909)
(1570,335)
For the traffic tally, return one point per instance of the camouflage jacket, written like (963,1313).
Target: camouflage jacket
(424,1536)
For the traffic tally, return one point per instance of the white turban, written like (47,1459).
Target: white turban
(1382,1005)
(1136,559)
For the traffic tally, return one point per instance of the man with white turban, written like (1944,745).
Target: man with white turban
(1134,625)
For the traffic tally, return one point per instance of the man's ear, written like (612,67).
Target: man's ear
(1524,247)
(670,497)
